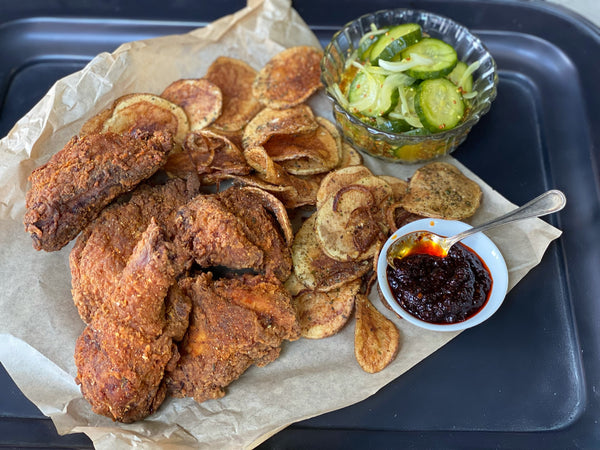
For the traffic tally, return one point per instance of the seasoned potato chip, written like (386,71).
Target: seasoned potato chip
(396,216)
(399,186)
(200,99)
(442,191)
(269,122)
(205,152)
(289,78)
(146,112)
(293,285)
(234,136)
(304,193)
(376,338)
(317,271)
(272,204)
(258,158)
(287,194)
(337,179)
(323,314)
(235,78)
(303,189)
(351,224)
(306,154)
(350,156)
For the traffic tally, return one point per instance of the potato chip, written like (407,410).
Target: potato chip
(272,204)
(146,112)
(350,156)
(323,314)
(442,191)
(293,285)
(317,271)
(258,158)
(399,186)
(396,216)
(269,122)
(234,136)
(337,179)
(206,153)
(200,99)
(303,189)
(310,153)
(376,338)
(350,225)
(235,78)
(289,78)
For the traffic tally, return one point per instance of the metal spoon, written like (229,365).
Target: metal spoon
(547,203)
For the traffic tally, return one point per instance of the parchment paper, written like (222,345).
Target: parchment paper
(39,323)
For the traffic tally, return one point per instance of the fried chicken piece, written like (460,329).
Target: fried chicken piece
(215,236)
(102,250)
(122,354)
(86,175)
(120,370)
(237,230)
(261,228)
(235,322)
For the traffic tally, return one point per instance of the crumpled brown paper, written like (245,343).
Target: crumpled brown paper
(39,323)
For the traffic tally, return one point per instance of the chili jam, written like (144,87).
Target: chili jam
(441,290)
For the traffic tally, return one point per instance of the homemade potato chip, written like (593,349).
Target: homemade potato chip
(317,271)
(337,179)
(289,78)
(274,205)
(269,122)
(235,78)
(442,191)
(293,285)
(376,338)
(200,99)
(146,112)
(269,171)
(207,154)
(399,186)
(309,153)
(396,216)
(323,314)
(350,156)
(350,225)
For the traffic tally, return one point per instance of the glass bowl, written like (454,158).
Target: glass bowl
(402,147)
(479,243)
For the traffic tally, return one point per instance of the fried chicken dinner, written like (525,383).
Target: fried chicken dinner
(186,267)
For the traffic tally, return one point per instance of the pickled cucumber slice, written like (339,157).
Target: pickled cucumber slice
(443,56)
(396,39)
(439,104)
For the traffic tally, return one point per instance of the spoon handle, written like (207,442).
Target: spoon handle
(547,203)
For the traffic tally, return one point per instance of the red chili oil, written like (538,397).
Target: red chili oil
(441,290)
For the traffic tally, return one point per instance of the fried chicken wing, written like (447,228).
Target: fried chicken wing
(235,322)
(122,354)
(86,175)
(102,250)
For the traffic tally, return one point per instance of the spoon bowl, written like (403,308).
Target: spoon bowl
(419,242)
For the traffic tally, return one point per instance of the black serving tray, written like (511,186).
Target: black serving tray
(527,378)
